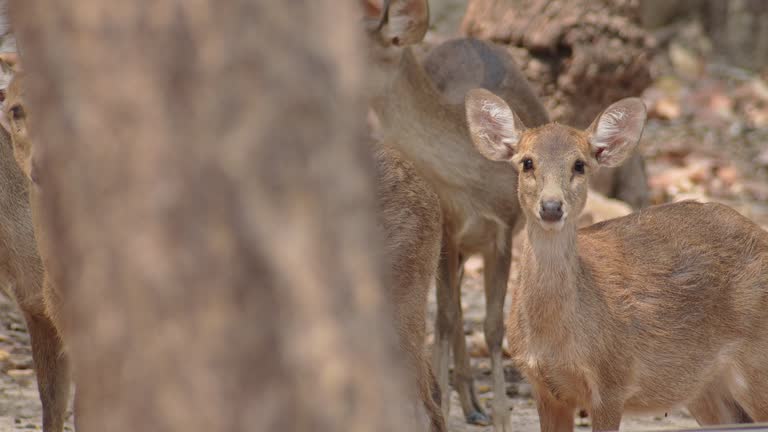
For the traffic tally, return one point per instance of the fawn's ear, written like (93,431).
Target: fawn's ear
(616,131)
(398,22)
(493,126)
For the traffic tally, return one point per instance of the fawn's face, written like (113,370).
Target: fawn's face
(389,26)
(553,161)
(553,164)
(15,120)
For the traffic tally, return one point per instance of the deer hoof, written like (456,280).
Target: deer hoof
(479,419)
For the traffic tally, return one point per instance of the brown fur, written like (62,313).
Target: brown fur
(409,210)
(411,220)
(22,267)
(658,309)
(422,117)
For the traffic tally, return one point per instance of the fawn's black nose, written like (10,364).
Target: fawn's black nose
(551,210)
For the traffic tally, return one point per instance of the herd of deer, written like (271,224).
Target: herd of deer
(665,307)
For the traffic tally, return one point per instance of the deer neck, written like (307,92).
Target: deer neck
(412,105)
(549,281)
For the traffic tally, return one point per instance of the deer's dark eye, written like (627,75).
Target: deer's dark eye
(579,166)
(527,164)
(17,112)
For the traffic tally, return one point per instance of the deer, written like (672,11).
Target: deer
(411,223)
(477,198)
(409,212)
(662,308)
(22,269)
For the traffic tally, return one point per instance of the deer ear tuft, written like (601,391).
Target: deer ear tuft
(616,131)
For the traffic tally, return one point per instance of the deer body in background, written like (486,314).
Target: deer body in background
(411,222)
(409,213)
(665,307)
(478,200)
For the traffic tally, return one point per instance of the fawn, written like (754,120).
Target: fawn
(22,267)
(661,308)
(409,213)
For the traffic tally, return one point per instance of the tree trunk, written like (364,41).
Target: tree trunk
(210,203)
(739,31)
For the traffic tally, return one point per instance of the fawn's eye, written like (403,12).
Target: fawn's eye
(527,164)
(579,166)
(17,112)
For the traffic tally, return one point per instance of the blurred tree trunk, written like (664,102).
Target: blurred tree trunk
(739,31)
(211,207)
(580,56)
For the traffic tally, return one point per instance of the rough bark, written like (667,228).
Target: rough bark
(580,56)
(210,204)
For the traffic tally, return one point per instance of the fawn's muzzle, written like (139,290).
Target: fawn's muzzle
(551,210)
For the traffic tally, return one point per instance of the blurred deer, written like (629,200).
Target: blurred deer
(21,267)
(409,214)
(665,307)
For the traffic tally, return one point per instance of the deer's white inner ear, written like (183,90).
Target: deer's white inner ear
(501,120)
(608,128)
(492,125)
(618,131)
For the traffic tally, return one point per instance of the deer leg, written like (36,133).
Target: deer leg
(446,320)
(554,416)
(432,399)
(462,370)
(716,406)
(497,262)
(606,416)
(753,397)
(411,327)
(52,369)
